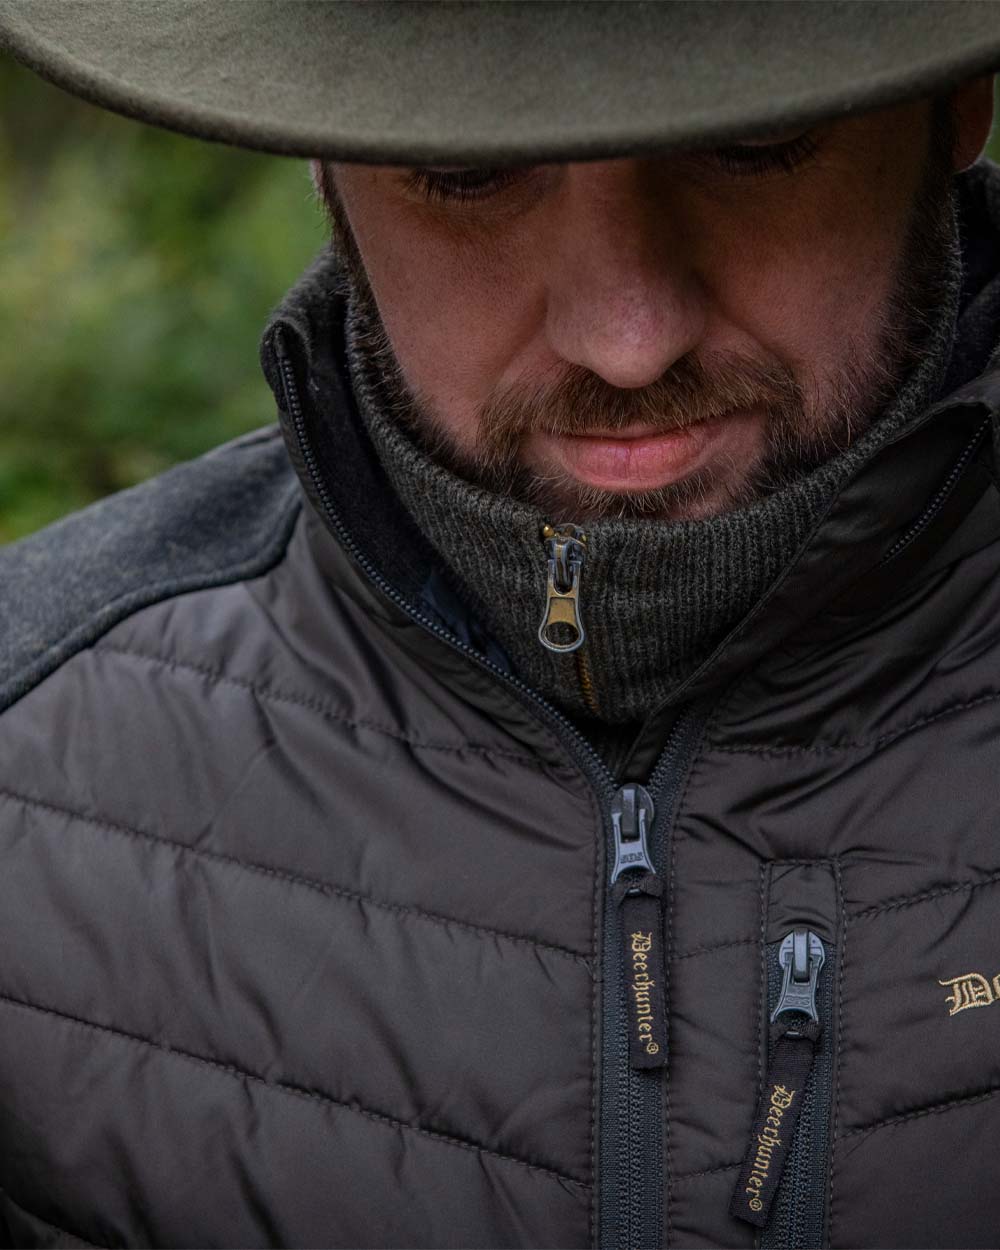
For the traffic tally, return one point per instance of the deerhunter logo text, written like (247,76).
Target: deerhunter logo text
(641,987)
(768,1139)
(971,989)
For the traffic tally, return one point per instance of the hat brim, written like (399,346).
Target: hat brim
(420,83)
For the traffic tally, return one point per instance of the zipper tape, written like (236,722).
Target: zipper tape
(774,1122)
(644,969)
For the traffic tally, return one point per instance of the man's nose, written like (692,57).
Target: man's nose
(623,299)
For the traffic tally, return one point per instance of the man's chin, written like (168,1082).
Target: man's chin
(697,497)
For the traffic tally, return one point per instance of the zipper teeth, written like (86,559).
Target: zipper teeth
(688,723)
(591,761)
(798,1217)
(939,500)
(585,675)
(641,1128)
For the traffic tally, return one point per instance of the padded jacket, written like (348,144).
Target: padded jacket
(308,934)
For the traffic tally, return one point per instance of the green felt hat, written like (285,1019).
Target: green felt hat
(457,82)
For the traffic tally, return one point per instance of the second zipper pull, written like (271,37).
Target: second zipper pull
(795,1035)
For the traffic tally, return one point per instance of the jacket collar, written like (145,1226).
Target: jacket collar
(919,485)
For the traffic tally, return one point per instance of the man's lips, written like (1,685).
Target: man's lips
(639,458)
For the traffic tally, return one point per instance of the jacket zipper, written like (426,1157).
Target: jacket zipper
(635,1050)
(630,1183)
(941,496)
(781,1188)
(798,1217)
(630,1198)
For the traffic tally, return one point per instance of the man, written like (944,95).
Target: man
(562,811)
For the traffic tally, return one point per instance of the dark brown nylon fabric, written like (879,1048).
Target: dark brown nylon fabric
(320,972)
(244,985)
(874,767)
(300,905)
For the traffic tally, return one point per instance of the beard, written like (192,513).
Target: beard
(807,420)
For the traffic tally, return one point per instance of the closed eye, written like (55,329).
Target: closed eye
(459,184)
(754,159)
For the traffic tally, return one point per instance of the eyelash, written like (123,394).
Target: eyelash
(747,160)
(758,159)
(440,186)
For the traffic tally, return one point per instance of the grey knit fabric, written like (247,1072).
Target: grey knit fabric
(656,596)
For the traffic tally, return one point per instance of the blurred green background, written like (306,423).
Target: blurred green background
(137,269)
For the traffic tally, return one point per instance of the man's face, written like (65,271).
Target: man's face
(669,336)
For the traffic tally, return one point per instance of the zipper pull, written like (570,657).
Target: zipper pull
(566,546)
(631,815)
(795,1038)
(638,890)
(801,955)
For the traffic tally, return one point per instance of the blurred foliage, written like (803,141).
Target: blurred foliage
(138,268)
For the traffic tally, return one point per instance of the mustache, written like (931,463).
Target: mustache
(693,390)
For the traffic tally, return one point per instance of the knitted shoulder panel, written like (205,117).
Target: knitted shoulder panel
(222,518)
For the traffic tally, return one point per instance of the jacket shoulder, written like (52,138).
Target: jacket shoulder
(221,518)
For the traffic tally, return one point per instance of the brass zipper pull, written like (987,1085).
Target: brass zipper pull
(561,629)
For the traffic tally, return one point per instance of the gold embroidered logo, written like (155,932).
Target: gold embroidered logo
(971,989)
(642,983)
(767,1140)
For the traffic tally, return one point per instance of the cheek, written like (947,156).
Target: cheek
(454,312)
(810,283)
(805,266)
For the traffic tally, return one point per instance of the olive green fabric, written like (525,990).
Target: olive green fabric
(501,81)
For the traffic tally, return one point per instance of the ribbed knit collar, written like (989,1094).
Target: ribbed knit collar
(656,597)
(893,509)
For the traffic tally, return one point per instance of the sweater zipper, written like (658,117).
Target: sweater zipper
(562,630)
(630,1166)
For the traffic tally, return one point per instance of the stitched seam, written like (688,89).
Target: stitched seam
(597,915)
(934,1109)
(710,950)
(321,887)
(667,982)
(891,735)
(722,1167)
(806,863)
(764,893)
(293,1091)
(839,1045)
(668,1143)
(909,900)
(130,602)
(56,1228)
(273,695)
